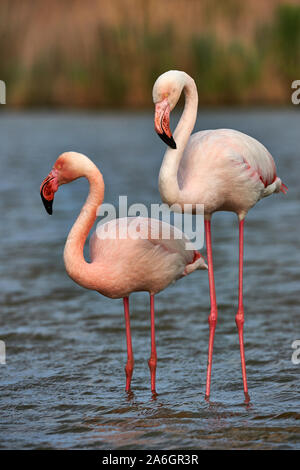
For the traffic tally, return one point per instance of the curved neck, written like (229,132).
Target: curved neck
(168,181)
(77,267)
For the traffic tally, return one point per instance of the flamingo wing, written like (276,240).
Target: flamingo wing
(209,152)
(151,247)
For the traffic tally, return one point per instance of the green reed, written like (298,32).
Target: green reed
(125,59)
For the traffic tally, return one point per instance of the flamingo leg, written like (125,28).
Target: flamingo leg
(213,316)
(239,318)
(153,358)
(130,361)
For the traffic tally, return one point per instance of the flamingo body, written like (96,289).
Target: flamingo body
(223,169)
(127,255)
(143,263)
(227,171)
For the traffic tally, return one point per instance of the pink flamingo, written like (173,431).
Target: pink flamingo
(223,169)
(118,265)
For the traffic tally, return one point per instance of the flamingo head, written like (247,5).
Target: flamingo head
(166,93)
(68,167)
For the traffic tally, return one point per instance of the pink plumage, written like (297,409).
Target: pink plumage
(226,170)
(127,254)
(223,169)
(142,262)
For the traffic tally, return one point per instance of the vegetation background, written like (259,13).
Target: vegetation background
(107,53)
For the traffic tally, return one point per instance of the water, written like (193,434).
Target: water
(63,383)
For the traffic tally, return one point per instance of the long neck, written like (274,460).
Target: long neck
(77,268)
(168,182)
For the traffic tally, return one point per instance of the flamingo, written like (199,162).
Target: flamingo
(119,265)
(223,169)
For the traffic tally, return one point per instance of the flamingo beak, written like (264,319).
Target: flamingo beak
(162,123)
(48,187)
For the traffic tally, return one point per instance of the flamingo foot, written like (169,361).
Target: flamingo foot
(152,366)
(239,319)
(130,360)
(129,372)
(212,320)
(153,357)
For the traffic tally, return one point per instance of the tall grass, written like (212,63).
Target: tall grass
(108,54)
(287,41)
(224,73)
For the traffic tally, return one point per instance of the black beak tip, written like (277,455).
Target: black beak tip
(168,140)
(49,209)
(47,204)
(172,144)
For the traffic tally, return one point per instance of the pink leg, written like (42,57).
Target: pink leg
(153,358)
(130,361)
(213,316)
(239,319)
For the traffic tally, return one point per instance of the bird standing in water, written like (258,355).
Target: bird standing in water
(223,169)
(120,263)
